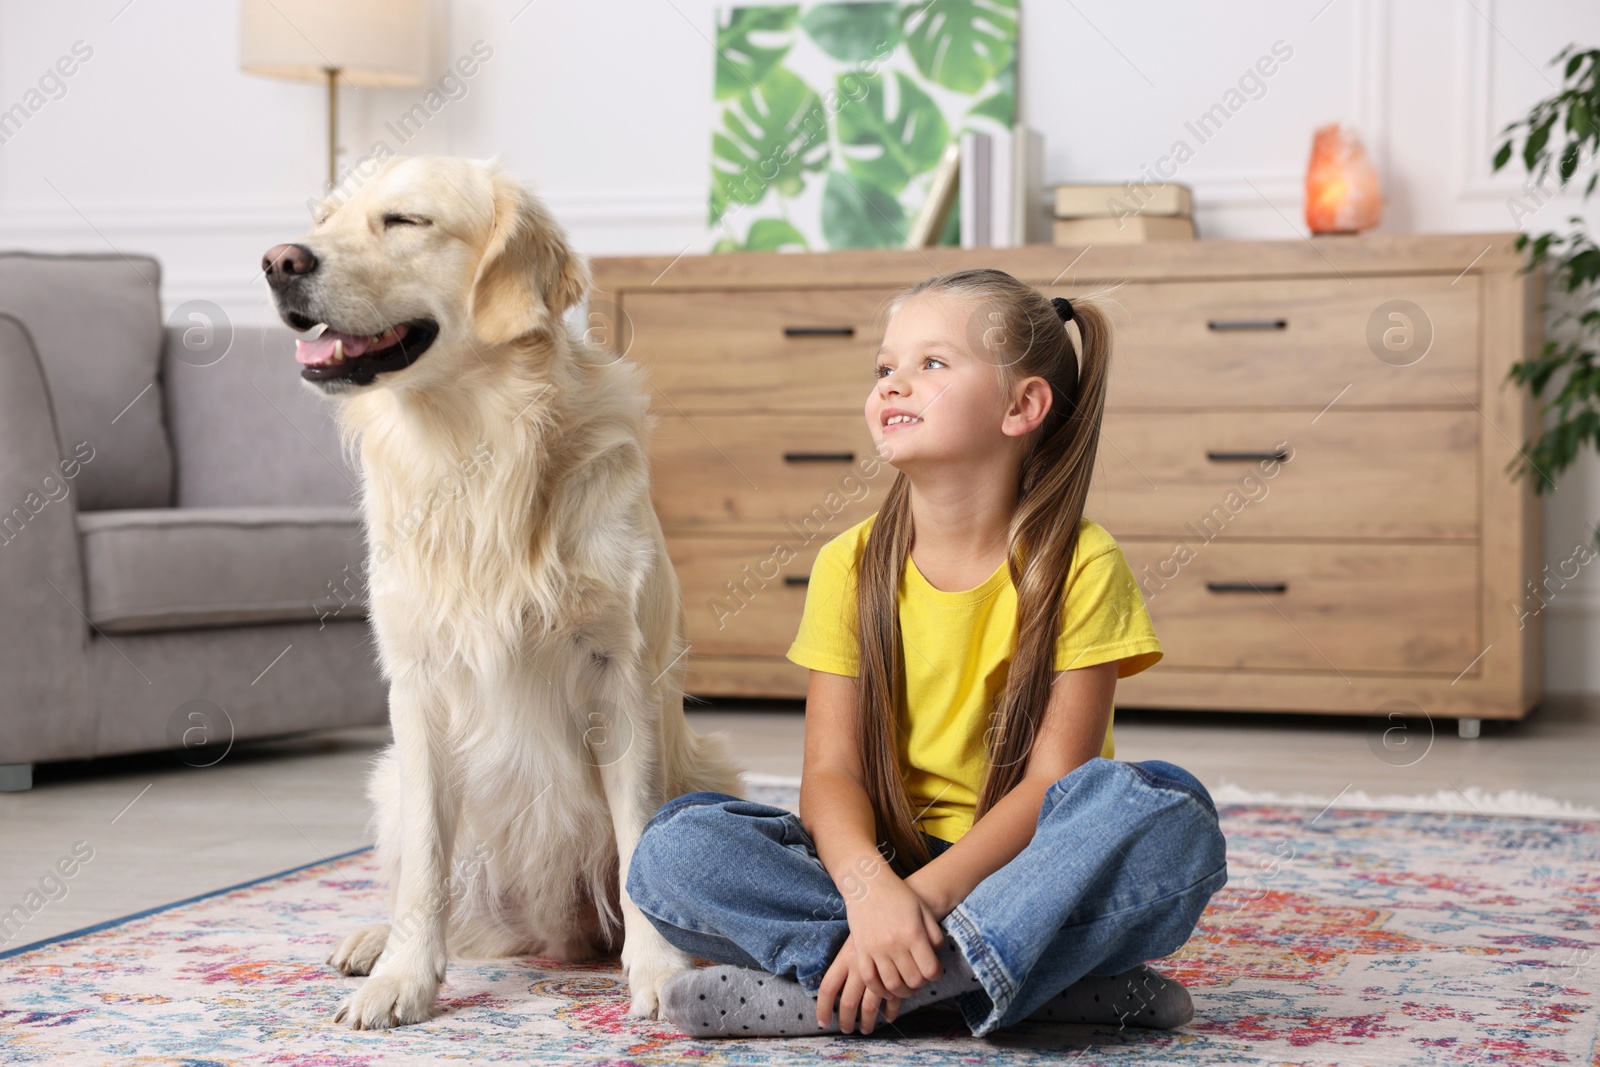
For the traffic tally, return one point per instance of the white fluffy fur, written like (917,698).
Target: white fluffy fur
(530,628)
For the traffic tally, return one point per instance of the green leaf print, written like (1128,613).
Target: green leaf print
(952,227)
(888,149)
(853,32)
(741,62)
(771,136)
(1001,105)
(766,235)
(858,214)
(960,44)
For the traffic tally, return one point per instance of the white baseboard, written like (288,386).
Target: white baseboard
(757,778)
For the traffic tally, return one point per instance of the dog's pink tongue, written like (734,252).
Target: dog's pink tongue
(319,349)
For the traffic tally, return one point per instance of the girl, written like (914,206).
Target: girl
(964,834)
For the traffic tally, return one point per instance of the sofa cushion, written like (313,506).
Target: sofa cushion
(178,568)
(95,321)
(248,429)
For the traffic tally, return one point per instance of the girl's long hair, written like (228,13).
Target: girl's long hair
(1021,332)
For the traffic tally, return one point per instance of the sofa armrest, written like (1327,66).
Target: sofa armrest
(45,708)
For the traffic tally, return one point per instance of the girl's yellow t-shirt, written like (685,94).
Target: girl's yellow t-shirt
(957,648)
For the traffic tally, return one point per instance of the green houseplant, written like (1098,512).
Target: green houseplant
(1564,131)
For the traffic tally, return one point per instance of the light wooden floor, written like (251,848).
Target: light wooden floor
(162,831)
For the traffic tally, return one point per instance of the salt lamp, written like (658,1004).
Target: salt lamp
(1341,183)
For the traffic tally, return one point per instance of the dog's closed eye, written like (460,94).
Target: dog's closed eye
(405,220)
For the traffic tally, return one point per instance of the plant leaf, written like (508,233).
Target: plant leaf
(742,62)
(858,214)
(1533,149)
(769,235)
(888,148)
(960,44)
(854,32)
(1001,105)
(771,136)
(1579,120)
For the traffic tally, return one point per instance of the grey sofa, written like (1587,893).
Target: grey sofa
(181,562)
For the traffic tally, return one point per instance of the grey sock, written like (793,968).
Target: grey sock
(728,1001)
(1136,997)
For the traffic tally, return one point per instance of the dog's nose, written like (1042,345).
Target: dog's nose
(283,263)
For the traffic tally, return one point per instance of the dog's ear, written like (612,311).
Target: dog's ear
(529,276)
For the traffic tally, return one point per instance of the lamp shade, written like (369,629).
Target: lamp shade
(373,43)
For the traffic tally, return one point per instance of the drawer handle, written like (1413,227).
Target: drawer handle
(1248,324)
(819,457)
(796,579)
(819,331)
(1248,587)
(1247,457)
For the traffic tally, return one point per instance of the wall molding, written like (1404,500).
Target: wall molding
(1474,96)
(1373,27)
(1477,133)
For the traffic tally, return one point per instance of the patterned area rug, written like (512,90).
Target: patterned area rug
(1345,936)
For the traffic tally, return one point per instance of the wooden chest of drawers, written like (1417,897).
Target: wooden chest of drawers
(1304,456)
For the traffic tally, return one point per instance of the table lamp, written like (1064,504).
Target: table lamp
(1342,190)
(367,43)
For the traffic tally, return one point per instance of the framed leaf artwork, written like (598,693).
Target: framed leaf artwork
(829,119)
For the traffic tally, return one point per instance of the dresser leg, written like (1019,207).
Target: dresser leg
(1469,728)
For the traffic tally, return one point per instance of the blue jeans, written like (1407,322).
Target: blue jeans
(1123,860)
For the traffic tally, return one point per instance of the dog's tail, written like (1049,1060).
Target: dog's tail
(696,762)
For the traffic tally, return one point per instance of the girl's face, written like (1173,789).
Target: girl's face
(927,370)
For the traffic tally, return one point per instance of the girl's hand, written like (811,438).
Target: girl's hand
(856,1001)
(895,934)
(892,934)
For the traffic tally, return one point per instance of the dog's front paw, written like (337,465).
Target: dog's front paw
(358,952)
(648,971)
(388,1000)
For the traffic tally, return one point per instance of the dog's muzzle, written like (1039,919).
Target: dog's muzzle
(334,355)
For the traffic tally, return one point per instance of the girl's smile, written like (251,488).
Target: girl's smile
(898,418)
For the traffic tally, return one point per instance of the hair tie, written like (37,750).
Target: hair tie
(1063,307)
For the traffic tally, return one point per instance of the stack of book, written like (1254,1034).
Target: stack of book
(994,180)
(1122,214)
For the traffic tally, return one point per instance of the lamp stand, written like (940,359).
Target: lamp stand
(333,121)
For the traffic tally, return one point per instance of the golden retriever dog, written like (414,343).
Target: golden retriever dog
(527,619)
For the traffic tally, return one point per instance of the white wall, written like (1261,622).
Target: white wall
(161,145)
